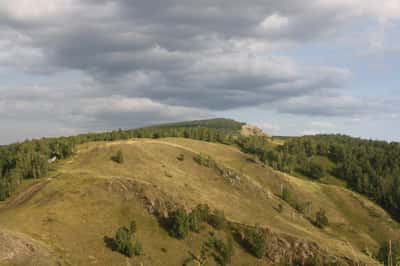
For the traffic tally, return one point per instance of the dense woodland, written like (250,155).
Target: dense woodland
(369,167)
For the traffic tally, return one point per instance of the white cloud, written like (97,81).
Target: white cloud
(381,9)
(274,22)
(38,9)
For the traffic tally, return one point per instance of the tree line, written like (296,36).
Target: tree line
(369,167)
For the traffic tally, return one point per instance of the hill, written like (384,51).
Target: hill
(76,210)
(196,191)
(216,123)
(366,166)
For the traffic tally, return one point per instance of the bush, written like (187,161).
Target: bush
(217,219)
(194,221)
(383,253)
(197,216)
(123,241)
(118,157)
(4,190)
(203,160)
(316,170)
(132,227)
(203,211)
(301,207)
(180,157)
(286,194)
(138,249)
(178,224)
(220,251)
(255,241)
(321,220)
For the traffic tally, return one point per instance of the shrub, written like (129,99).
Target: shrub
(180,157)
(217,219)
(178,224)
(255,241)
(123,241)
(197,216)
(301,207)
(203,160)
(383,253)
(138,249)
(132,227)
(316,170)
(321,220)
(203,211)
(220,251)
(4,190)
(194,221)
(118,157)
(286,194)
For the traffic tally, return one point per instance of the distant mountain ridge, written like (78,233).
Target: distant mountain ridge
(227,125)
(214,123)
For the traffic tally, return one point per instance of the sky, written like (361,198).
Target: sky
(291,67)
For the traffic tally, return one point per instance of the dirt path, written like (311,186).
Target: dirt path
(25,195)
(138,142)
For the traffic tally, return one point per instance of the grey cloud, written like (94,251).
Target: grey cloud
(125,112)
(181,58)
(336,105)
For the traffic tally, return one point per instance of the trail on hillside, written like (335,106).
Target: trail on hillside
(25,195)
(133,142)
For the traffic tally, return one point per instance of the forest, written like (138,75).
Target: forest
(369,167)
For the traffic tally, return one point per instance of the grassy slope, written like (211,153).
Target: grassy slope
(89,197)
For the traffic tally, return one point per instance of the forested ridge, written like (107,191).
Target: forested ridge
(226,125)
(369,167)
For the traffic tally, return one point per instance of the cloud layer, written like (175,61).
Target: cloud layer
(136,62)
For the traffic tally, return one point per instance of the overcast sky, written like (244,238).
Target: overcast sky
(291,67)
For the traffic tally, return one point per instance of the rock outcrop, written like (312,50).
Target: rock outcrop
(252,130)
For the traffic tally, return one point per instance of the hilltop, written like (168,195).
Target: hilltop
(215,123)
(69,216)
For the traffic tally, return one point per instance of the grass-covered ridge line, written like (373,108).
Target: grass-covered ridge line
(30,159)
(369,167)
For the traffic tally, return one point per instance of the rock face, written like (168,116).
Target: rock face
(16,249)
(251,130)
(283,249)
